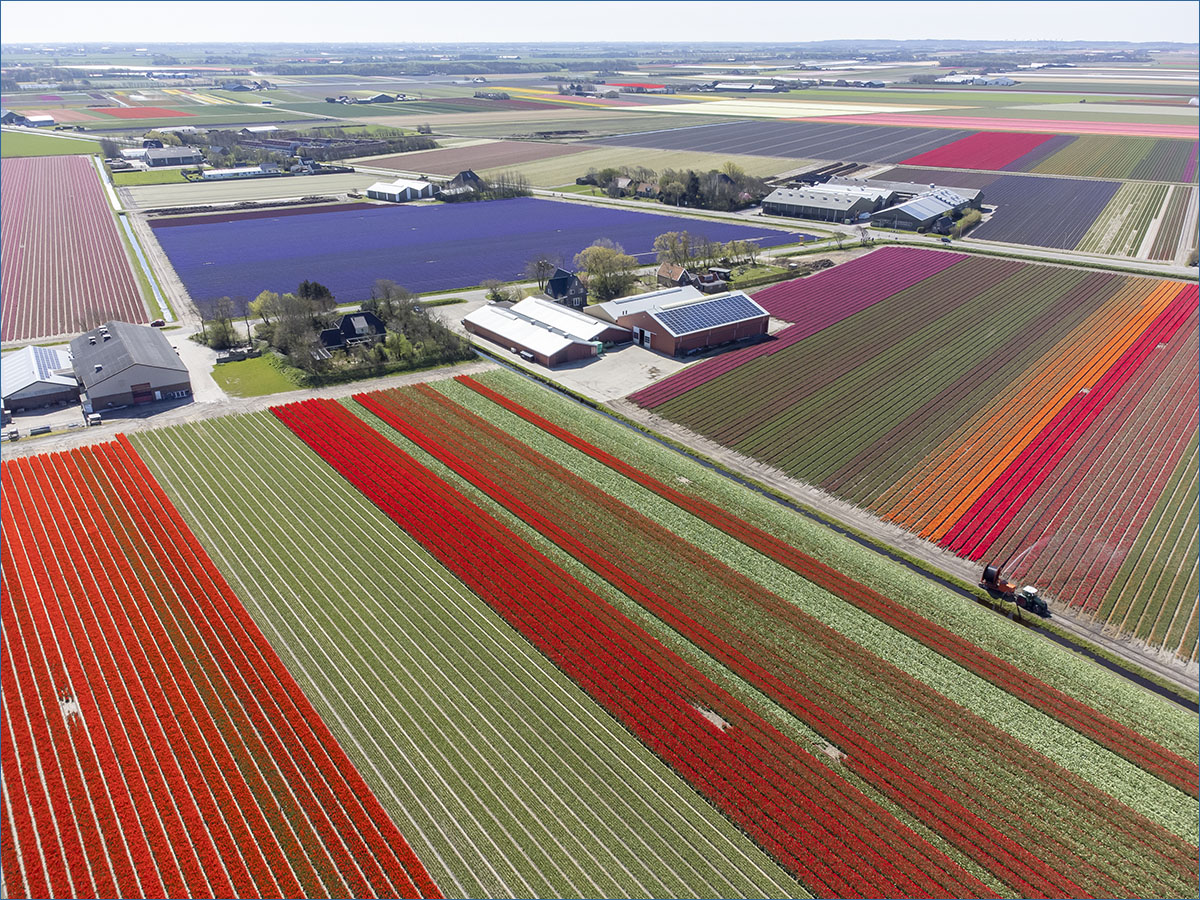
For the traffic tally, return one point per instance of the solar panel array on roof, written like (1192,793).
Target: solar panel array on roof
(47,361)
(709,314)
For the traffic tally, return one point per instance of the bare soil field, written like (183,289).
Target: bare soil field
(492,155)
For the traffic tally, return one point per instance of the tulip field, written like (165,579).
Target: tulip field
(1007,411)
(64,268)
(154,743)
(561,661)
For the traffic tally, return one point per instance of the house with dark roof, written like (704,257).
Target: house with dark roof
(119,364)
(362,327)
(567,289)
(9,117)
(674,275)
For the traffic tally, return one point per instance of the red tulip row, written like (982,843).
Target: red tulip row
(969,832)
(682,574)
(220,777)
(974,532)
(1092,723)
(804,814)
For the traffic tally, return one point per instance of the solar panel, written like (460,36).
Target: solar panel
(46,360)
(708,314)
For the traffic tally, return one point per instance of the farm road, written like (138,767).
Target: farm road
(887,534)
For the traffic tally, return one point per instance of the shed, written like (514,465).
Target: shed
(400,190)
(120,364)
(173,156)
(38,376)
(543,331)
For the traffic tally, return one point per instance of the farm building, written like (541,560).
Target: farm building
(38,376)
(173,156)
(640,88)
(240,172)
(924,211)
(907,190)
(543,332)
(354,328)
(674,275)
(827,203)
(9,117)
(567,289)
(120,364)
(680,321)
(400,190)
(259,129)
(40,121)
(133,153)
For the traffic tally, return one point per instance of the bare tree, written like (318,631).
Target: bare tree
(541,267)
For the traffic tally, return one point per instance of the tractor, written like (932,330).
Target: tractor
(1026,597)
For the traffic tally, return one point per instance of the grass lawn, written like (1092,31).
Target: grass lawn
(252,378)
(13,143)
(166,176)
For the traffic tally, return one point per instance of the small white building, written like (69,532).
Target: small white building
(544,332)
(39,121)
(133,153)
(240,172)
(400,190)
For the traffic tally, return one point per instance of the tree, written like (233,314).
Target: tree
(864,236)
(317,294)
(496,292)
(610,270)
(839,238)
(674,247)
(266,306)
(109,148)
(541,267)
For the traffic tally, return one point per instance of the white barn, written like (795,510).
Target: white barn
(38,376)
(400,190)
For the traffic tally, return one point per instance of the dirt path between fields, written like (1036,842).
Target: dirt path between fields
(889,535)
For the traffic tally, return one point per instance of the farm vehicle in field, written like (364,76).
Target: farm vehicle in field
(1025,597)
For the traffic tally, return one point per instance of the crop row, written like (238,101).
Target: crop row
(506,778)
(1162,722)
(766,784)
(1171,226)
(160,748)
(669,578)
(982,150)
(1120,739)
(846,290)
(63,268)
(1121,228)
(903,409)
(1043,212)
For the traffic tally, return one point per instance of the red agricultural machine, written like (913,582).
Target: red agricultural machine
(1025,597)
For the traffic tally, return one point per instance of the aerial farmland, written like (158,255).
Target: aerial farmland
(883,585)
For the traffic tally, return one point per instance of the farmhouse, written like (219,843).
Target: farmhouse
(674,275)
(924,211)
(566,288)
(38,376)
(681,321)
(827,203)
(400,190)
(120,364)
(355,328)
(173,156)
(543,332)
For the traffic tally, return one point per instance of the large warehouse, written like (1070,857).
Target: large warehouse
(932,210)
(827,202)
(173,156)
(120,364)
(544,332)
(38,376)
(680,321)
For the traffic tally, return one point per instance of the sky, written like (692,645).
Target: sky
(424,21)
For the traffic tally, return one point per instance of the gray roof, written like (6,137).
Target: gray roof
(815,198)
(171,152)
(32,365)
(624,306)
(128,345)
(929,205)
(912,188)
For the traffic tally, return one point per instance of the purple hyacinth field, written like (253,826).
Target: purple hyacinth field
(1044,212)
(423,248)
